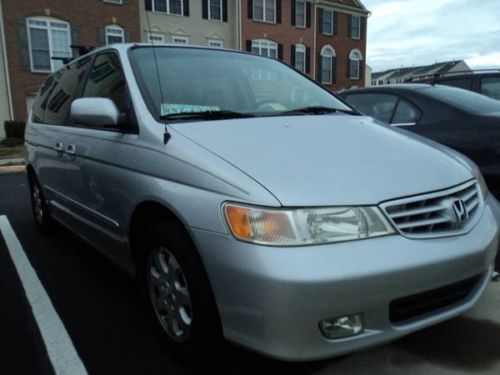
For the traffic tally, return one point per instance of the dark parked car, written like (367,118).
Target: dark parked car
(486,82)
(463,120)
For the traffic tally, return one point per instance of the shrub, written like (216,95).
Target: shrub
(15,129)
(11,142)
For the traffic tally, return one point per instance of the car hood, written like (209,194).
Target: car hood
(330,159)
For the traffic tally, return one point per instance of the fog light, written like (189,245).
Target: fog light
(342,327)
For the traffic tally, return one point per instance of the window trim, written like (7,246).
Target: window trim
(48,29)
(303,49)
(305,14)
(221,11)
(167,3)
(332,20)
(180,37)
(264,2)
(216,41)
(271,45)
(116,28)
(333,54)
(358,37)
(155,35)
(358,61)
(114,2)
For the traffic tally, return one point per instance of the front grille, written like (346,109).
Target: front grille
(432,215)
(406,309)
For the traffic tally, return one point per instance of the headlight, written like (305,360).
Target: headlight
(304,226)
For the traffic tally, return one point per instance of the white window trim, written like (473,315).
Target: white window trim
(304,50)
(49,35)
(116,2)
(176,37)
(305,14)
(333,54)
(221,12)
(220,43)
(115,28)
(359,28)
(357,61)
(264,12)
(168,8)
(265,44)
(332,20)
(156,35)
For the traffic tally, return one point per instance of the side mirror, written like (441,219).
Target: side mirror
(95,112)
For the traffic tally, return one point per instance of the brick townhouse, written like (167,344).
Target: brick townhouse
(37,30)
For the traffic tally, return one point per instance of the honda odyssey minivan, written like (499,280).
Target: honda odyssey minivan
(253,205)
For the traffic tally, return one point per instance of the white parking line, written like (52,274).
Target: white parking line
(62,353)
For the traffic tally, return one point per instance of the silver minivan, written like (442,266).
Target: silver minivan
(253,205)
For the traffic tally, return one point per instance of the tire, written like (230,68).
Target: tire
(177,293)
(40,208)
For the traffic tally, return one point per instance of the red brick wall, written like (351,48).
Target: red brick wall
(88,15)
(288,35)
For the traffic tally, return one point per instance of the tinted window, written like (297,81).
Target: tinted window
(406,113)
(379,106)
(468,100)
(206,80)
(107,80)
(463,83)
(491,87)
(60,90)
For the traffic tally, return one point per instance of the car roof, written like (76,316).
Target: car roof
(394,87)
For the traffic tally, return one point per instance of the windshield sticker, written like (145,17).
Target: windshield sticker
(172,109)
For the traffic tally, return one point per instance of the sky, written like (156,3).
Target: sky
(418,32)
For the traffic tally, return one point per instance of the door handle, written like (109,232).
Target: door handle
(71,151)
(59,148)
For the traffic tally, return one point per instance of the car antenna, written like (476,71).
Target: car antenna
(166,134)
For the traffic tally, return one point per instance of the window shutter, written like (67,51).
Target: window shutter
(308,59)
(294,9)
(250,9)
(348,68)
(318,73)
(128,36)
(308,14)
(361,69)
(363,28)
(224,10)
(101,36)
(75,34)
(335,22)
(204,9)
(334,69)
(186,8)
(280,51)
(22,38)
(320,20)
(278,11)
(249,45)
(349,25)
(292,55)
(149,5)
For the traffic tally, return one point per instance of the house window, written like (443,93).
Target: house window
(114,34)
(380,82)
(327,55)
(169,6)
(266,48)
(355,27)
(48,38)
(156,38)
(327,25)
(180,40)
(354,64)
(300,13)
(215,43)
(300,58)
(264,10)
(215,10)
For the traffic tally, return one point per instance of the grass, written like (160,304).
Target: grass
(11,148)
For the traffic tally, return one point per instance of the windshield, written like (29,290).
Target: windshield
(468,100)
(201,80)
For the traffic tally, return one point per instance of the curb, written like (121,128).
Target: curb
(12,168)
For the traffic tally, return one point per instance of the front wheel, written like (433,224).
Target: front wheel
(177,292)
(40,208)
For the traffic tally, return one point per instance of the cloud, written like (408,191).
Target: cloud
(417,32)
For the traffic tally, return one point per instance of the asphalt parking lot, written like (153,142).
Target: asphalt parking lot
(100,310)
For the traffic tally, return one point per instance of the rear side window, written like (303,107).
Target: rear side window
(65,86)
(491,87)
(107,80)
(379,106)
(406,113)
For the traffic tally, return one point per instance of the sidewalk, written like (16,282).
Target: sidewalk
(12,165)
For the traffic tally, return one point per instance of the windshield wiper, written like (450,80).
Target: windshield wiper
(315,110)
(206,115)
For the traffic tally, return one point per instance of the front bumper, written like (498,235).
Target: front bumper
(271,299)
